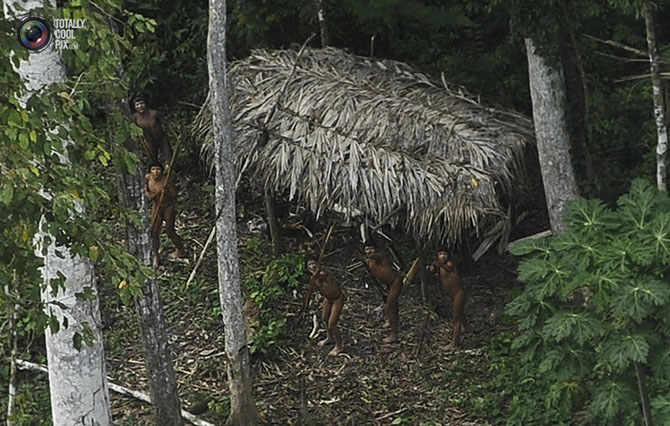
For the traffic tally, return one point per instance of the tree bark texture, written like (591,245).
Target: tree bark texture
(243,407)
(547,90)
(323,23)
(659,107)
(273,223)
(12,308)
(77,378)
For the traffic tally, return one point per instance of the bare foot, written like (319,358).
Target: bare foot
(391,339)
(324,341)
(177,254)
(449,348)
(336,350)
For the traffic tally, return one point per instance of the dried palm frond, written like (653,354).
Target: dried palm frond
(373,136)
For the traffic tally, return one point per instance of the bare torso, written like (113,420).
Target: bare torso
(381,269)
(155,185)
(150,123)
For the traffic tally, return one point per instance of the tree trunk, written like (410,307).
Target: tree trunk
(242,406)
(547,90)
(273,223)
(659,108)
(323,23)
(12,308)
(149,309)
(77,379)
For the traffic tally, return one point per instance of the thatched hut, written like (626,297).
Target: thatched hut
(327,129)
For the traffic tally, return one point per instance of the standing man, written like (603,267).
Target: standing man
(154,137)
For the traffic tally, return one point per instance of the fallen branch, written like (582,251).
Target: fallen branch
(542,234)
(27,365)
(386,416)
(202,255)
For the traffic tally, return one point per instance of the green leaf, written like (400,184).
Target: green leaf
(580,326)
(589,217)
(619,351)
(7,193)
(637,206)
(661,409)
(636,300)
(14,119)
(54,325)
(23,141)
(77,341)
(11,133)
(607,399)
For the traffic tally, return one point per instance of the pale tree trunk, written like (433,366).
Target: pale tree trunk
(12,308)
(77,379)
(323,23)
(149,309)
(659,108)
(242,405)
(547,91)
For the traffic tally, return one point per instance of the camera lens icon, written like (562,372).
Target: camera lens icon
(34,33)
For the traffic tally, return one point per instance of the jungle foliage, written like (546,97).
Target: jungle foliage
(594,316)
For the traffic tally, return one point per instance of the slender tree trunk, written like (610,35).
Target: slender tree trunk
(547,91)
(12,308)
(242,405)
(77,379)
(323,23)
(659,108)
(149,309)
(273,223)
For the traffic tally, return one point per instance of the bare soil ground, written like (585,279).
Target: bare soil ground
(412,382)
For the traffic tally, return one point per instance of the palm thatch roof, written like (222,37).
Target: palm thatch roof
(373,136)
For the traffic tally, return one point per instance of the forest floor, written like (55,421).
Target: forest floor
(412,382)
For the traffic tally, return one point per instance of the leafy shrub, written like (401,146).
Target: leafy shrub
(594,316)
(280,275)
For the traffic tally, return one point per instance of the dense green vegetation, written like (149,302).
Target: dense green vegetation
(596,301)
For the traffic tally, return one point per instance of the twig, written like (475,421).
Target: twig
(385,416)
(202,255)
(190,104)
(627,48)
(26,365)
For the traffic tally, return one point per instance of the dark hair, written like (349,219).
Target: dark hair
(138,99)
(369,243)
(442,249)
(152,165)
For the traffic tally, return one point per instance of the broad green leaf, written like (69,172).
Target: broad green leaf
(580,326)
(620,350)
(7,193)
(637,299)
(607,399)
